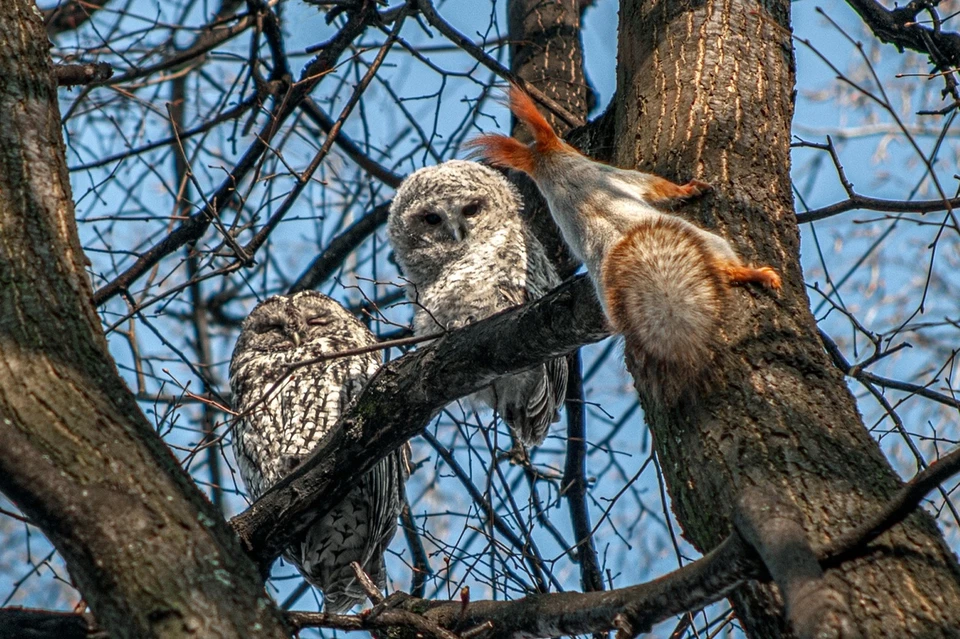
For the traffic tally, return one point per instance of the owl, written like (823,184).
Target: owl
(281,423)
(466,254)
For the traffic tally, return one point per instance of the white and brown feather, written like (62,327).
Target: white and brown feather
(278,428)
(466,254)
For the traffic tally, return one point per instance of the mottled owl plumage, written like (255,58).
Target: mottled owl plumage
(466,254)
(275,434)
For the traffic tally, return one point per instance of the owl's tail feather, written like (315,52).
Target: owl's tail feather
(530,401)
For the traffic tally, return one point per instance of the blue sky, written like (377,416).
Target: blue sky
(888,260)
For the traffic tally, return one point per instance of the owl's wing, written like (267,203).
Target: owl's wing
(557,374)
(512,289)
(381,487)
(541,279)
(358,529)
(395,469)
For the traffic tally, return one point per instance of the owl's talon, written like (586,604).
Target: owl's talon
(516,456)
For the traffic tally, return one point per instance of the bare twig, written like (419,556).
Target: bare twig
(68,75)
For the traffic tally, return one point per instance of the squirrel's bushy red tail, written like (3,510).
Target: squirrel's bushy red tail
(665,293)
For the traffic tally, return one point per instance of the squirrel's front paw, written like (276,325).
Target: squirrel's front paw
(695,188)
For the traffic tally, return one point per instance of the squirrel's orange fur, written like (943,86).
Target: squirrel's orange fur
(663,281)
(545,139)
(501,150)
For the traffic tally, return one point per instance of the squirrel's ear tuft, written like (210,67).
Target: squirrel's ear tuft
(499,150)
(522,106)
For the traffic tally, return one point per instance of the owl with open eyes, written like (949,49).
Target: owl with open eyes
(286,411)
(466,254)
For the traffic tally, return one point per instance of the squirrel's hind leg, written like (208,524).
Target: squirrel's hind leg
(764,275)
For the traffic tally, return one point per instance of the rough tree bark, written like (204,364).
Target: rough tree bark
(149,552)
(546,50)
(705,91)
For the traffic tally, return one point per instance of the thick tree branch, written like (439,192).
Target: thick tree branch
(901,28)
(68,75)
(628,610)
(148,551)
(552,615)
(406,394)
(27,623)
(773,528)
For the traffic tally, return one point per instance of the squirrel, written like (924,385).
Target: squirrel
(661,280)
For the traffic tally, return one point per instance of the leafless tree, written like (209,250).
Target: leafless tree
(199,157)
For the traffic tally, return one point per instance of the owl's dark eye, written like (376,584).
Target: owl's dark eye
(471,209)
(272,328)
(319,320)
(432,219)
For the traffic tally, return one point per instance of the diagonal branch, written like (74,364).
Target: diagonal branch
(433,18)
(900,28)
(340,248)
(773,528)
(406,394)
(629,610)
(194,227)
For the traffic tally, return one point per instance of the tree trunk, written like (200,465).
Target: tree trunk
(148,551)
(706,91)
(546,50)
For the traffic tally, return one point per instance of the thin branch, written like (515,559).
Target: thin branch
(406,394)
(574,483)
(70,15)
(421,562)
(348,146)
(68,75)
(430,13)
(304,178)
(339,248)
(856,371)
(194,227)
(895,510)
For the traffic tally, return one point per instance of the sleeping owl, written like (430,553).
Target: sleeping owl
(466,254)
(278,428)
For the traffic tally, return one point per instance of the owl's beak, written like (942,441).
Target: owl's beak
(459,230)
(296,337)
